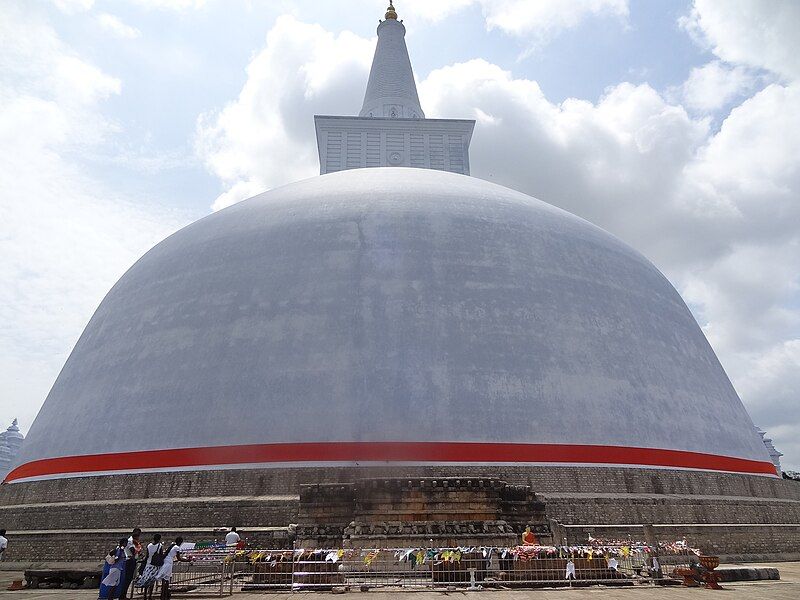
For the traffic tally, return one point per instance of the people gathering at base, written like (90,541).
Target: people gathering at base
(130,566)
(156,561)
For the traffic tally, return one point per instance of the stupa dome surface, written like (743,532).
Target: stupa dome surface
(463,320)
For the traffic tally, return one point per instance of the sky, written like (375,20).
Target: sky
(675,125)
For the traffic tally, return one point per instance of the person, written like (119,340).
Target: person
(528,537)
(132,548)
(116,558)
(3,544)
(613,563)
(165,572)
(656,570)
(232,538)
(698,570)
(147,579)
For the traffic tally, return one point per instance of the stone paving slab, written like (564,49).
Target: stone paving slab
(788,588)
(772,591)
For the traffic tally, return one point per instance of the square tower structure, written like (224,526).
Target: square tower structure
(391,130)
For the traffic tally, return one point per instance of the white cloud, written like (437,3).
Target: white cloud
(715,85)
(546,18)
(774,376)
(612,162)
(745,296)
(542,19)
(66,237)
(73,6)
(432,11)
(115,26)
(752,166)
(176,5)
(756,33)
(715,209)
(47,86)
(77,6)
(262,138)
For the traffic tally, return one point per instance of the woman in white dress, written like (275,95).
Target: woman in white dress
(165,572)
(147,580)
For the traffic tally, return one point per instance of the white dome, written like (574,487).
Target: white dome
(465,321)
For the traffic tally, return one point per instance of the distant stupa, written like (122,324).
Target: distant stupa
(10,443)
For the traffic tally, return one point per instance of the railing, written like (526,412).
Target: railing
(221,572)
(207,573)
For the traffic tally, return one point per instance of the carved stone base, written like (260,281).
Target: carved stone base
(381,513)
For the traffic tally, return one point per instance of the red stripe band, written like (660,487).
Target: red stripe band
(408,452)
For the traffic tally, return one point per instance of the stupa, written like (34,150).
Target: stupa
(394,318)
(10,443)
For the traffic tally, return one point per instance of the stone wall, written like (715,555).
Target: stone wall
(65,519)
(155,514)
(624,509)
(280,481)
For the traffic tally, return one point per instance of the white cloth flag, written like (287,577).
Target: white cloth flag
(570,570)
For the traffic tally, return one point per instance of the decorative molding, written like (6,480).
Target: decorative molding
(359,142)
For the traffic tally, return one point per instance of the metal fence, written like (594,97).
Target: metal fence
(221,572)
(208,573)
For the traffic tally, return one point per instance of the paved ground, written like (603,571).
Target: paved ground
(788,588)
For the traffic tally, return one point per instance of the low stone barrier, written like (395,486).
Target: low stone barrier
(748,574)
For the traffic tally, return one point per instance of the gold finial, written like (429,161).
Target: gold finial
(390,12)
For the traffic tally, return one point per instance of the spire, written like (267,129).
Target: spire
(391,129)
(391,91)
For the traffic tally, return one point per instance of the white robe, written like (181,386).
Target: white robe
(570,570)
(165,572)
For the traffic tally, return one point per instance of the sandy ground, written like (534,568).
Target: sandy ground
(788,588)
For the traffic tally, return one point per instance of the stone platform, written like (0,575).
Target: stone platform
(76,519)
(727,574)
